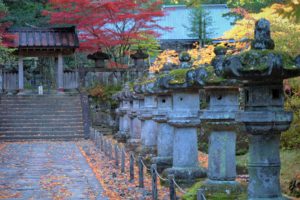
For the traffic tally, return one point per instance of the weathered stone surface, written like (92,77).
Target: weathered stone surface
(264,167)
(262,35)
(149,126)
(165,133)
(123,111)
(219,121)
(264,117)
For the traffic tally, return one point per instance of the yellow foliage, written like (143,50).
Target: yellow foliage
(285,33)
(202,56)
(167,56)
(199,56)
(97,91)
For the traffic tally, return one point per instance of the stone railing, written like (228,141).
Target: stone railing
(170,116)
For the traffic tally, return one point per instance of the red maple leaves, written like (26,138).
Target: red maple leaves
(106,24)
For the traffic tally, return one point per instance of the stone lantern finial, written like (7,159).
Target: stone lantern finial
(262,35)
(185,59)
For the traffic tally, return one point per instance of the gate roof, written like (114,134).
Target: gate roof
(45,41)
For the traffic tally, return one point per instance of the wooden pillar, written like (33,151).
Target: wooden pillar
(60,73)
(21,74)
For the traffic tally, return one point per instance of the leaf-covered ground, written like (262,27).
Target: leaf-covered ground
(116,184)
(69,170)
(46,170)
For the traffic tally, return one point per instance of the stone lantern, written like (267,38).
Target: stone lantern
(136,124)
(123,111)
(139,58)
(99,57)
(165,133)
(262,71)
(185,120)
(149,126)
(218,121)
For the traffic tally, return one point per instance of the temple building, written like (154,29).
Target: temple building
(178,18)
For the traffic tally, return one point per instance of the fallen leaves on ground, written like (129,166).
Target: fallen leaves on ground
(9,195)
(203,159)
(116,185)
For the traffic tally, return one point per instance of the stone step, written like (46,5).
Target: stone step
(40,117)
(53,105)
(44,137)
(36,114)
(40,120)
(21,110)
(66,102)
(34,111)
(39,133)
(40,97)
(16,116)
(49,123)
(41,129)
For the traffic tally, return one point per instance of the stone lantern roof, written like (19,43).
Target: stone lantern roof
(139,55)
(99,55)
(261,63)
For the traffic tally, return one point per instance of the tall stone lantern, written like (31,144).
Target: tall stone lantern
(136,124)
(149,126)
(218,121)
(262,71)
(185,120)
(165,133)
(123,112)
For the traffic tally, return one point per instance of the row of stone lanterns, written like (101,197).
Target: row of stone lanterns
(170,116)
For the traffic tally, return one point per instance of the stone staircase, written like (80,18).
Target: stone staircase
(56,117)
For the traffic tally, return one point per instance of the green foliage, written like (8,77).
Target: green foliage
(78,59)
(290,168)
(6,55)
(151,46)
(290,139)
(192,192)
(179,76)
(26,12)
(194,2)
(290,10)
(199,24)
(212,77)
(103,94)
(252,5)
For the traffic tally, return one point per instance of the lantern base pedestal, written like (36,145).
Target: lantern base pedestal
(186,175)
(162,163)
(133,144)
(226,187)
(121,136)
